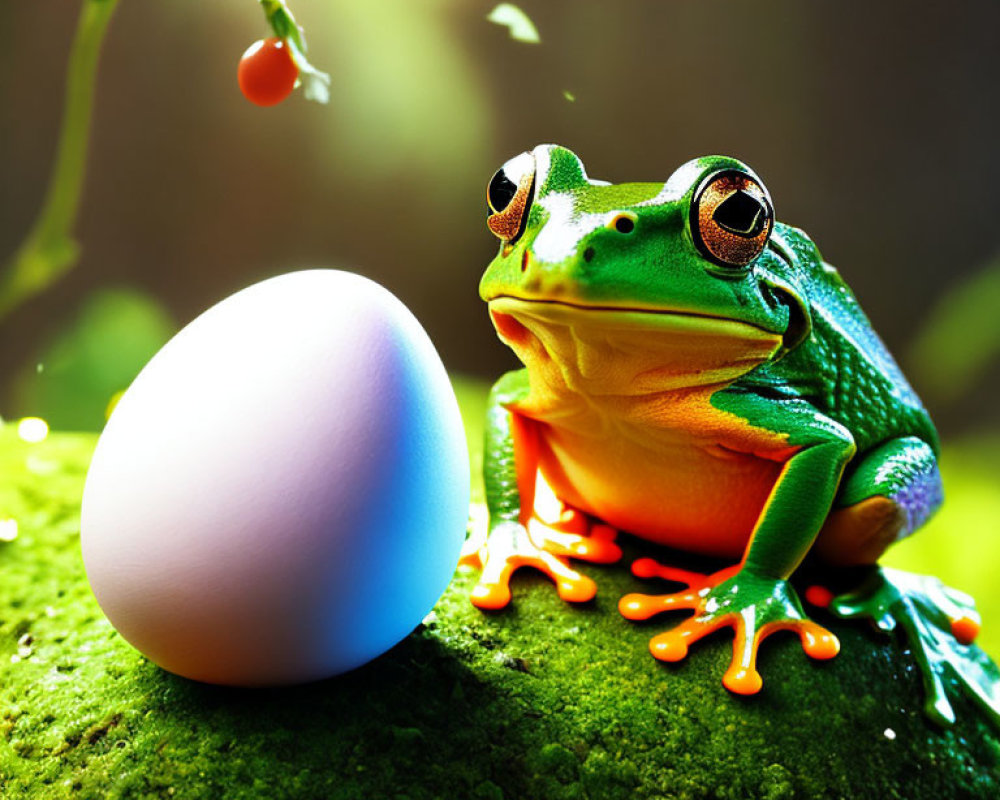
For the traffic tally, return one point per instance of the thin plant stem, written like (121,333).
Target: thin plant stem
(50,250)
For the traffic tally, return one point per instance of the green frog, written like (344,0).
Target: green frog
(696,375)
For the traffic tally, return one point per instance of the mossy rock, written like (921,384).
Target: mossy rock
(543,700)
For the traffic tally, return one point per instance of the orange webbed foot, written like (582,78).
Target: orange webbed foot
(510,546)
(637,606)
(574,536)
(939,624)
(754,606)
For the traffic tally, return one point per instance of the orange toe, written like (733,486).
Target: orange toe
(634,606)
(579,590)
(819,596)
(742,680)
(668,647)
(819,643)
(490,596)
(645,568)
(965,630)
(599,549)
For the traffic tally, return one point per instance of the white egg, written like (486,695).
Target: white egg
(281,495)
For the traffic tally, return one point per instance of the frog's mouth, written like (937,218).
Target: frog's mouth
(605,349)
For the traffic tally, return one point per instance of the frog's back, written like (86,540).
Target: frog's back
(844,367)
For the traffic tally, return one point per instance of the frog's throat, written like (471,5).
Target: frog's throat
(607,350)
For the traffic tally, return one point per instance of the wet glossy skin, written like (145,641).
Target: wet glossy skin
(696,375)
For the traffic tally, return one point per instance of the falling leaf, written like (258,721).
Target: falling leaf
(569,95)
(521,28)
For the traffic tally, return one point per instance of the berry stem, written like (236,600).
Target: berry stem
(315,83)
(49,250)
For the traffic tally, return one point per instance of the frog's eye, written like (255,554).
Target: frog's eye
(731,218)
(508,197)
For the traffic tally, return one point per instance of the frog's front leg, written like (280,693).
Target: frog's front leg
(515,537)
(755,597)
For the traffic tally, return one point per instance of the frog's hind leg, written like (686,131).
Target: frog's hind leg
(892,492)
(939,624)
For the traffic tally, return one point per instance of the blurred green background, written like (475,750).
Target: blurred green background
(873,125)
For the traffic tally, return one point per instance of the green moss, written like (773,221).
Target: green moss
(542,700)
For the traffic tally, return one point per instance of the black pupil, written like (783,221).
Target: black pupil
(740,213)
(624,225)
(501,191)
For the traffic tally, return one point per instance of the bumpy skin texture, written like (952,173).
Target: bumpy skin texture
(697,375)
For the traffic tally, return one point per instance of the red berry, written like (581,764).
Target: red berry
(267,73)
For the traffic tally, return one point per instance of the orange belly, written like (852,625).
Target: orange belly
(679,473)
(684,498)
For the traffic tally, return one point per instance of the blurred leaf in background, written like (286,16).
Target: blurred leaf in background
(93,358)
(960,340)
(406,98)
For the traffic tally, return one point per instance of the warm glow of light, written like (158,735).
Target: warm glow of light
(33,429)
(8,530)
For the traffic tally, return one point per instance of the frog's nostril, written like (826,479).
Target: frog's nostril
(588,254)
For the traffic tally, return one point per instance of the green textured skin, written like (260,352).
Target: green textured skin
(922,607)
(841,371)
(500,480)
(547,701)
(842,368)
(833,389)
